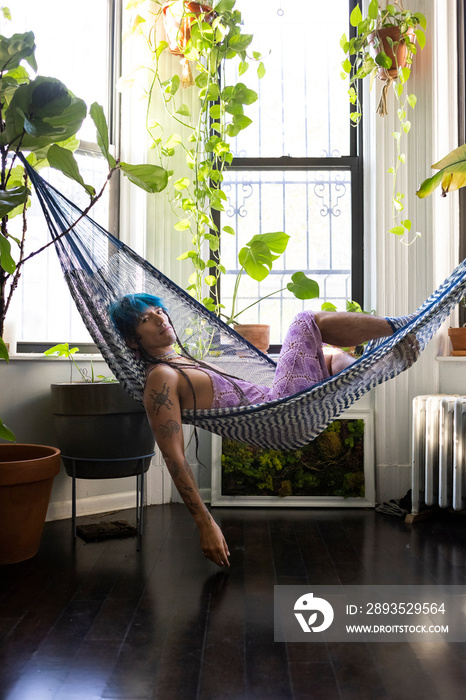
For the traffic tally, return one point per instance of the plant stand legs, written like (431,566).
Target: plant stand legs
(140,483)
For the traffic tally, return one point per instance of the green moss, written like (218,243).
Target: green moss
(330,465)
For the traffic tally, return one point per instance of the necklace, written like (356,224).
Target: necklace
(171,353)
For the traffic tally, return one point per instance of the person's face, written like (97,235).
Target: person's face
(154,331)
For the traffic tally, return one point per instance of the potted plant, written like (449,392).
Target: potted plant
(39,120)
(256,259)
(98,424)
(450,177)
(383,46)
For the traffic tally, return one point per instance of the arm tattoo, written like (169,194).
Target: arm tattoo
(170,427)
(160,398)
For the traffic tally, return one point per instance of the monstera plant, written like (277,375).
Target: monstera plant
(39,120)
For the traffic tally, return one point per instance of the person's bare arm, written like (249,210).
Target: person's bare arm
(161,400)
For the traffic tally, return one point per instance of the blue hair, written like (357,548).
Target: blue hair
(125,312)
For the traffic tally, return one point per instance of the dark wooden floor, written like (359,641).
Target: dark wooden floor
(106,621)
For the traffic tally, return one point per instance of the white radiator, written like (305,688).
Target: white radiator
(439,451)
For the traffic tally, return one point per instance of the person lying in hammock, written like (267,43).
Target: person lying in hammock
(177,382)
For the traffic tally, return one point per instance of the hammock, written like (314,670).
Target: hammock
(99,269)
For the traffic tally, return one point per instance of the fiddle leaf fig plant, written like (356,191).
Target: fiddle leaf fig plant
(384,44)
(39,120)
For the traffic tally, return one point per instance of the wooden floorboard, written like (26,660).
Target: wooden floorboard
(155,619)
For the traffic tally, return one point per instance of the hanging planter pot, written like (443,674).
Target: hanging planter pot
(178,18)
(390,41)
(258,334)
(26,478)
(379,41)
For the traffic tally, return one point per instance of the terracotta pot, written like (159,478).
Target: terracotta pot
(458,340)
(258,334)
(401,50)
(178,25)
(26,478)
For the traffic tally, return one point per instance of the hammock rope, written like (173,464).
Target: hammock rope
(99,269)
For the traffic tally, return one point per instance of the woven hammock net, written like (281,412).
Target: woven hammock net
(99,269)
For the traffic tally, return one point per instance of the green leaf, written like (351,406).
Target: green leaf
(215,111)
(328,306)
(224,5)
(210,280)
(10,199)
(261,70)
(229,230)
(303,287)
(63,160)
(242,68)
(4,351)
(16,48)
(40,113)
(98,117)
(151,178)
(6,261)
(397,230)
(421,38)
(184,111)
(412,99)
(240,42)
(181,184)
(451,175)
(383,60)
(355,16)
(346,65)
(182,225)
(276,241)
(373,9)
(6,433)
(257,259)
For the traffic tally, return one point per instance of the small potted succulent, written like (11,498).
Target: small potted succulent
(384,44)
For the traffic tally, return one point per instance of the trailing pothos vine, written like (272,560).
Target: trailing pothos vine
(207,37)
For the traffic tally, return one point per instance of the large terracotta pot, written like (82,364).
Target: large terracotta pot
(379,38)
(258,334)
(26,478)
(458,340)
(178,24)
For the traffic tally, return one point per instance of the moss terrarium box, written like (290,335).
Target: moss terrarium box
(336,469)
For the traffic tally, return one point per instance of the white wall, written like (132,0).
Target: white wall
(400,277)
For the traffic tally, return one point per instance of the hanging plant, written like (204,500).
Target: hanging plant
(384,46)
(208,37)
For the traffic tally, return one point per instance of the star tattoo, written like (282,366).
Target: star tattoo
(160,398)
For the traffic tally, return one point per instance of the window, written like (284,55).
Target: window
(297,168)
(80,50)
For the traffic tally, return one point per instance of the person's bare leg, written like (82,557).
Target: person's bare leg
(346,328)
(336,359)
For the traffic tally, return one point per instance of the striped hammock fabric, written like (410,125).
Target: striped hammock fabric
(99,269)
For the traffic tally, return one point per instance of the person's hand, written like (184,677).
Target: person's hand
(213,544)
